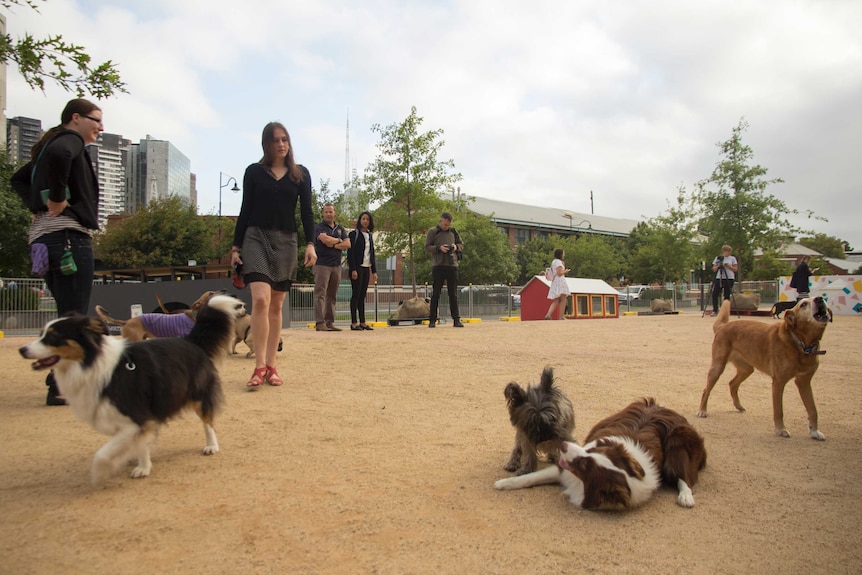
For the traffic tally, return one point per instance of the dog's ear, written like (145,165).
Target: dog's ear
(790,318)
(515,395)
(547,382)
(96,327)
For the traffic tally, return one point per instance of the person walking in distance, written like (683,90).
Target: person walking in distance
(330,239)
(443,243)
(559,289)
(800,279)
(266,241)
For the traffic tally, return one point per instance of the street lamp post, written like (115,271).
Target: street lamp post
(221,186)
(571,217)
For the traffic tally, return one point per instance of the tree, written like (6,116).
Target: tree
(488,259)
(51,58)
(595,256)
(14,251)
(406,179)
(167,232)
(663,246)
(827,245)
(733,207)
(533,256)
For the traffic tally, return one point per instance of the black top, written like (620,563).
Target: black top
(327,256)
(270,204)
(356,251)
(799,279)
(65,163)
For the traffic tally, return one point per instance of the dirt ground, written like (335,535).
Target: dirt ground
(380,453)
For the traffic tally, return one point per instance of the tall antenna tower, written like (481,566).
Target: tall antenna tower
(347,180)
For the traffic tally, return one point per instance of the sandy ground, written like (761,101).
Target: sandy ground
(380,454)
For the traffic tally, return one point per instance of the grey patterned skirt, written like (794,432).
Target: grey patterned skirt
(269,256)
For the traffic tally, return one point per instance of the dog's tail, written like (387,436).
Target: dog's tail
(723,316)
(103,314)
(214,329)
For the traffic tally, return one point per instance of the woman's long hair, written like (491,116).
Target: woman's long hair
(558,253)
(266,139)
(370,221)
(76,106)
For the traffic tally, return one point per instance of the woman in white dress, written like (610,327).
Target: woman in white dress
(559,288)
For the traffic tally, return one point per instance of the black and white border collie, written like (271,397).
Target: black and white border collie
(127,390)
(624,460)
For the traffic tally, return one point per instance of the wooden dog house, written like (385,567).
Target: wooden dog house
(589,299)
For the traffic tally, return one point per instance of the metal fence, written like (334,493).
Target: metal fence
(26,304)
(695,296)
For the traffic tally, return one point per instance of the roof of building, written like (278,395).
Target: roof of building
(578,285)
(550,219)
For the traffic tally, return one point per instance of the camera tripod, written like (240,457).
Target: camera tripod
(722,285)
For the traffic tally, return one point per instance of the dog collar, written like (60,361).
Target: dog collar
(813,349)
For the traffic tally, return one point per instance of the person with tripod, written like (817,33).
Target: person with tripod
(725,267)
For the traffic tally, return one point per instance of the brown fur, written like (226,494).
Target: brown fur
(784,351)
(133,330)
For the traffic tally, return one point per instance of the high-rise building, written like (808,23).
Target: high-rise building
(156,169)
(110,159)
(21,135)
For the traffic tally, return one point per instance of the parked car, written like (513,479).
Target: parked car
(632,293)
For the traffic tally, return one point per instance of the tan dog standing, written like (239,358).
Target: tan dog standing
(782,351)
(243,334)
(133,329)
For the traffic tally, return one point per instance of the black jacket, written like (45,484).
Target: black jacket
(356,251)
(64,163)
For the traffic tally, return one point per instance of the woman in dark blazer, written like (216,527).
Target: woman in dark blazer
(363,269)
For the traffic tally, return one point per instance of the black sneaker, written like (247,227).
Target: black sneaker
(457,323)
(432,324)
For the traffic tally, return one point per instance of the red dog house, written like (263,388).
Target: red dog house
(589,298)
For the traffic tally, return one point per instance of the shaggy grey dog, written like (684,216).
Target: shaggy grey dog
(543,418)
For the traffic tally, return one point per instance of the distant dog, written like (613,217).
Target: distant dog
(783,351)
(152,325)
(781,306)
(625,458)
(243,334)
(543,418)
(129,389)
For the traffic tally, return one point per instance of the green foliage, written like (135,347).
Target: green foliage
(533,256)
(167,232)
(595,256)
(14,251)
(662,248)
(734,208)
(829,246)
(52,58)
(406,179)
(769,266)
(488,259)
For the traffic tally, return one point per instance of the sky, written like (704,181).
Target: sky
(589,106)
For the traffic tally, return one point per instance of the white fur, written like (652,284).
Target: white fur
(573,487)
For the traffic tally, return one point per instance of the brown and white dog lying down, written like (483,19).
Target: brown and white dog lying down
(151,325)
(625,459)
(784,351)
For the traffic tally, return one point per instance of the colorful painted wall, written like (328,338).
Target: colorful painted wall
(842,293)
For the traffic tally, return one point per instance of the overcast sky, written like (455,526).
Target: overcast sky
(540,102)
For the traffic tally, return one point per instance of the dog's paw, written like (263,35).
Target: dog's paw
(685,497)
(815,434)
(780,432)
(701,414)
(504,484)
(210,449)
(511,466)
(141,471)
